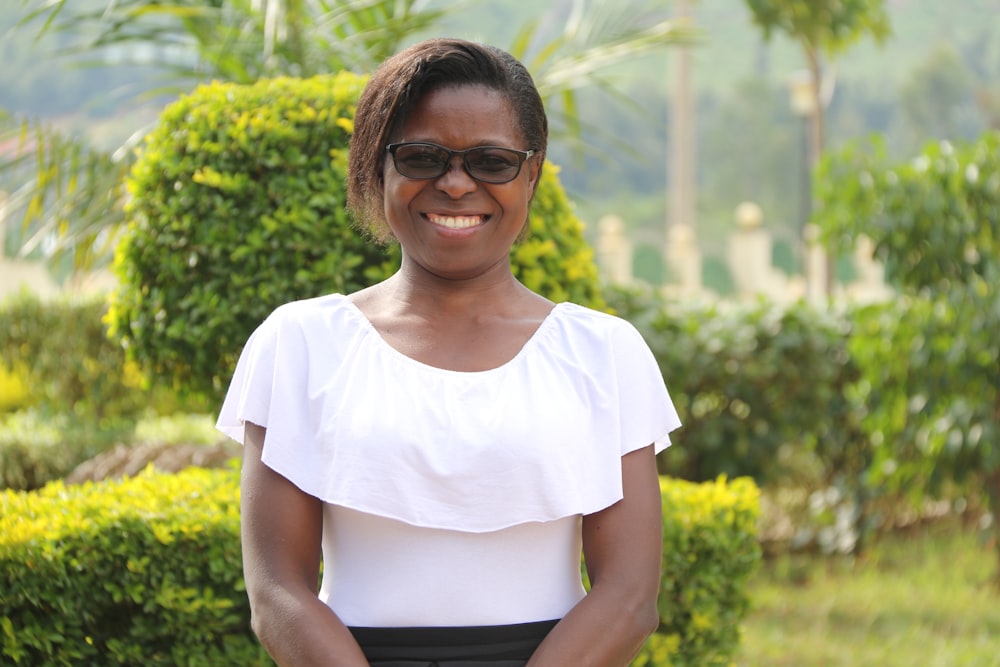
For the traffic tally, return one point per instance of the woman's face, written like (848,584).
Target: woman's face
(454,226)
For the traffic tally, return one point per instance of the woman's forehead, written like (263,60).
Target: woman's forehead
(473,114)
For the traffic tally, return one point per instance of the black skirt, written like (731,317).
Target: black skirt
(473,646)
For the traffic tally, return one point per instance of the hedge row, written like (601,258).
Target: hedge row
(60,352)
(756,385)
(146,571)
(67,391)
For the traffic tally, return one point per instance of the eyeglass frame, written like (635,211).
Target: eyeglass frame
(523,156)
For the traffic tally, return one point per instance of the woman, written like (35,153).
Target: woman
(447,441)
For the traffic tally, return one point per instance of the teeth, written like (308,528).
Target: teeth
(455,222)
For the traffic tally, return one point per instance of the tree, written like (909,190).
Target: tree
(821,28)
(74,197)
(933,366)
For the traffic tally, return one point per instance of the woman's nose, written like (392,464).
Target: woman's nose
(456,181)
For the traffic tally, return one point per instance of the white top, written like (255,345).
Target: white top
(454,498)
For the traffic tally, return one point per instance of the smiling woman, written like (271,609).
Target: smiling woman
(448,423)
(450,221)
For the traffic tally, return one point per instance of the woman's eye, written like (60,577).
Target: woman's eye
(422,159)
(490,162)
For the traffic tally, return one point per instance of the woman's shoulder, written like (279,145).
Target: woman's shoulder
(311,317)
(583,321)
(311,309)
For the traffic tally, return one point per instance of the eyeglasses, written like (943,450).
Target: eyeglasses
(489,164)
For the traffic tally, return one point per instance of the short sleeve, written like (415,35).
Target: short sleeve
(646,411)
(258,378)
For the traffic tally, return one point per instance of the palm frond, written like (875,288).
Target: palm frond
(68,196)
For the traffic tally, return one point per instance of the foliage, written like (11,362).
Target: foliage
(933,219)
(925,393)
(146,571)
(140,572)
(244,40)
(864,411)
(84,374)
(36,448)
(710,551)
(238,207)
(14,392)
(554,259)
(830,26)
(754,384)
(935,222)
(182,428)
(75,392)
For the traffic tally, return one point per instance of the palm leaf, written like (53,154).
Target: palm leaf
(66,194)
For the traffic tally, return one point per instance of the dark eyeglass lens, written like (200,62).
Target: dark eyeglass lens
(419,161)
(493,164)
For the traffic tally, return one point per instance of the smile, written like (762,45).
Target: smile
(456,221)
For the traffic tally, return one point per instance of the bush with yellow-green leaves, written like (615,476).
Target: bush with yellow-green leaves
(140,572)
(147,571)
(710,550)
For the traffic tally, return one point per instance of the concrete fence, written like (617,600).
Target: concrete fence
(749,259)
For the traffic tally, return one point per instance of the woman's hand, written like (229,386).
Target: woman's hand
(622,546)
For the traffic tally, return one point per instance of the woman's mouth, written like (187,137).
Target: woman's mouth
(456,221)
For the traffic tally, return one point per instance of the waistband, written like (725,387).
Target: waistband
(460,646)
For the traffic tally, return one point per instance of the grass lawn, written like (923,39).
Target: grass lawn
(922,599)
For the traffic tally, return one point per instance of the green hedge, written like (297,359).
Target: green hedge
(67,391)
(71,364)
(762,389)
(140,572)
(146,571)
(238,206)
(710,550)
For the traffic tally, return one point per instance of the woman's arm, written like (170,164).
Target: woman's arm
(282,536)
(623,546)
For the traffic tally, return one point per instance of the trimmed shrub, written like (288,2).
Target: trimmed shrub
(141,572)
(147,571)
(762,389)
(238,206)
(72,366)
(710,550)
